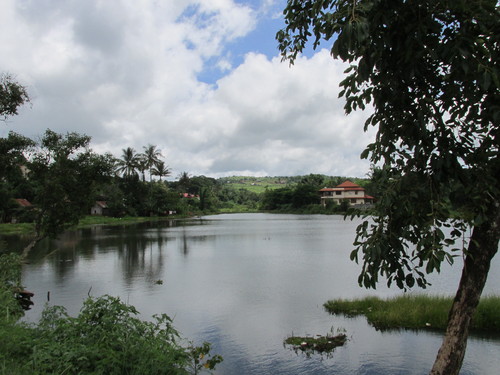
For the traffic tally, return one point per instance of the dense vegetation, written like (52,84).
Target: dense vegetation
(106,338)
(63,178)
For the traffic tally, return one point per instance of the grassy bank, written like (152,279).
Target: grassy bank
(87,221)
(20,228)
(416,312)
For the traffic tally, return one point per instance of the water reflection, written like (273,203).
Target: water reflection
(245,283)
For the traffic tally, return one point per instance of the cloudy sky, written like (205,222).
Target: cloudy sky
(200,79)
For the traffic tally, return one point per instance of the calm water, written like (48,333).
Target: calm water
(245,282)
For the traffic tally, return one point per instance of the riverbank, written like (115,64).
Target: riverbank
(416,312)
(85,222)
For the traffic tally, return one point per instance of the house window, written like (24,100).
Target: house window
(353,201)
(355,193)
(338,192)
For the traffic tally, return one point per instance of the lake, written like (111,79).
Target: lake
(245,282)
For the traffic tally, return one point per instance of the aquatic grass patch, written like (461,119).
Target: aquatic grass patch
(415,311)
(488,314)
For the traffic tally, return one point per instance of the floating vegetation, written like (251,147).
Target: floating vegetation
(318,344)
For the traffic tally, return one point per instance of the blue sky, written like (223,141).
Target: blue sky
(200,79)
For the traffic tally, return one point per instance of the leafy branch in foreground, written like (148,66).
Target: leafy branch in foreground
(430,71)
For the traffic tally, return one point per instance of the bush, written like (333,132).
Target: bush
(108,338)
(10,284)
(105,338)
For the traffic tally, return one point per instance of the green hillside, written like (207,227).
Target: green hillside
(257,184)
(260,184)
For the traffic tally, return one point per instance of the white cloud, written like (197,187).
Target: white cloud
(125,73)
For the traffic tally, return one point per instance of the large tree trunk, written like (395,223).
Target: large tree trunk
(483,246)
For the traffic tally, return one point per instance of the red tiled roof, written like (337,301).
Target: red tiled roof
(102,204)
(345,186)
(348,184)
(188,195)
(23,202)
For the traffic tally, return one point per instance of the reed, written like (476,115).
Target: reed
(417,311)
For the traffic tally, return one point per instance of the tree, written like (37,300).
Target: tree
(12,159)
(312,179)
(430,69)
(12,96)
(151,157)
(65,173)
(184,182)
(305,194)
(129,163)
(160,170)
(157,199)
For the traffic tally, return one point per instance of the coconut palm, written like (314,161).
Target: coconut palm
(160,170)
(129,162)
(142,166)
(151,156)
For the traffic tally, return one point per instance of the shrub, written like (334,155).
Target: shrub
(108,338)
(10,284)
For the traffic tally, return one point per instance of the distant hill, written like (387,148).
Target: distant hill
(260,184)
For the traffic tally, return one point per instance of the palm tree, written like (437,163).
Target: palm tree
(142,166)
(160,170)
(129,162)
(151,156)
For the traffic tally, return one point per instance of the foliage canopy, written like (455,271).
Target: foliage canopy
(430,71)
(12,96)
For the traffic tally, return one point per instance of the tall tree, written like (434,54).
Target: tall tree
(151,156)
(430,69)
(12,96)
(65,173)
(12,162)
(129,162)
(160,170)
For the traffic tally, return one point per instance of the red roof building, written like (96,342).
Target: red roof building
(99,208)
(346,191)
(23,202)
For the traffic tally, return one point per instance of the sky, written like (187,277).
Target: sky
(200,79)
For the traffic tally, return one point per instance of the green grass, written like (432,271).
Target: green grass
(256,184)
(87,221)
(237,209)
(104,220)
(416,311)
(20,228)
